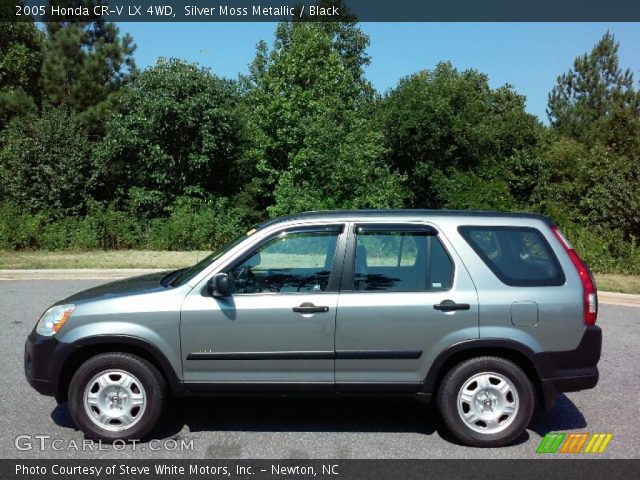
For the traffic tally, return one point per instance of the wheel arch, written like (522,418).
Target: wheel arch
(89,347)
(511,350)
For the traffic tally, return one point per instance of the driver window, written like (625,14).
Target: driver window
(290,262)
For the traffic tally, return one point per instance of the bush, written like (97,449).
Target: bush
(605,251)
(113,229)
(196,225)
(191,225)
(19,231)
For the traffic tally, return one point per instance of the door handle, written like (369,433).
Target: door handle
(450,306)
(308,307)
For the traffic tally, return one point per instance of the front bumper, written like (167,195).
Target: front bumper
(570,371)
(43,360)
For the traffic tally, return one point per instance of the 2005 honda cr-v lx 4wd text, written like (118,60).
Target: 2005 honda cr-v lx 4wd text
(485,313)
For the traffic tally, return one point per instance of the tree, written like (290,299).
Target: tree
(458,140)
(45,164)
(595,102)
(85,65)
(20,62)
(306,99)
(593,186)
(339,167)
(594,163)
(180,135)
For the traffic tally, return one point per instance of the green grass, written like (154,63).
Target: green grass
(613,282)
(98,259)
(609,282)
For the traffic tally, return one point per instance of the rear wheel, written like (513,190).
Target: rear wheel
(486,401)
(116,396)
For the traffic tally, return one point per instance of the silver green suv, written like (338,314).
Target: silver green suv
(485,313)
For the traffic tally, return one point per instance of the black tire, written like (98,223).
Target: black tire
(447,401)
(153,383)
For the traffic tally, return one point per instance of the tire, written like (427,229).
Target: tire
(117,396)
(486,401)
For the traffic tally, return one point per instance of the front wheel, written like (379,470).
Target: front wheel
(116,396)
(486,401)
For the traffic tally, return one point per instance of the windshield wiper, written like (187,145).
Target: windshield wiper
(168,279)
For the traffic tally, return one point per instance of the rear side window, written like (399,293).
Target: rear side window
(400,260)
(518,256)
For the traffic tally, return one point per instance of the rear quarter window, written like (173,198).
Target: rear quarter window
(518,256)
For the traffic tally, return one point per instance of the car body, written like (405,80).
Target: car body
(483,311)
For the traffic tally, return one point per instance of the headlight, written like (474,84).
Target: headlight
(53,319)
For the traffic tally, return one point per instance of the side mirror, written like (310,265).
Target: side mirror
(219,286)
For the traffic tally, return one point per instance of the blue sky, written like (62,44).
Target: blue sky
(528,56)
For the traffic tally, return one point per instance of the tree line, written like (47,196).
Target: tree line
(95,153)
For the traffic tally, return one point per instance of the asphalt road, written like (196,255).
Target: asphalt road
(306,428)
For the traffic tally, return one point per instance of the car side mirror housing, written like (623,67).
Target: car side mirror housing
(219,286)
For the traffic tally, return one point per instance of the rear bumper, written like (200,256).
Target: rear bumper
(569,371)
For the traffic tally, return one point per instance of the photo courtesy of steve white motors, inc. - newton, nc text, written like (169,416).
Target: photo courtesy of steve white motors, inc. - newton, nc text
(319,239)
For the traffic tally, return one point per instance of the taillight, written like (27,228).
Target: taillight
(590,295)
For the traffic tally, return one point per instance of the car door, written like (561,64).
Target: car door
(405,296)
(277,327)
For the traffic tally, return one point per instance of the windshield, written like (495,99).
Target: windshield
(188,273)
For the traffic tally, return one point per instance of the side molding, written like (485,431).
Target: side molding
(293,355)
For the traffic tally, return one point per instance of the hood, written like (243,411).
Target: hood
(121,288)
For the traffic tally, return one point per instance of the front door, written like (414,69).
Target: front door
(277,328)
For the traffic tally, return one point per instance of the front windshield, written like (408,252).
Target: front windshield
(188,273)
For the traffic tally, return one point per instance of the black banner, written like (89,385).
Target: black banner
(583,469)
(364,10)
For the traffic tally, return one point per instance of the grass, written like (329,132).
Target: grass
(613,282)
(98,259)
(609,282)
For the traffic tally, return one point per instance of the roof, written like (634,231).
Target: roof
(328,214)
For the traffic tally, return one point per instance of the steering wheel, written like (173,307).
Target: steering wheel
(247,279)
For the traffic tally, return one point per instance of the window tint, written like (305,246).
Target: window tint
(390,249)
(440,267)
(400,261)
(518,256)
(290,262)
(188,273)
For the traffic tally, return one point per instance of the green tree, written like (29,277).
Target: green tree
(594,164)
(45,164)
(593,186)
(327,174)
(312,146)
(85,65)
(20,62)
(459,141)
(595,102)
(181,135)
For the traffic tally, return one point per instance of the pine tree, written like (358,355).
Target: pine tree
(595,163)
(595,102)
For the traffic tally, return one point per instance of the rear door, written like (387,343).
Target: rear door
(405,296)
